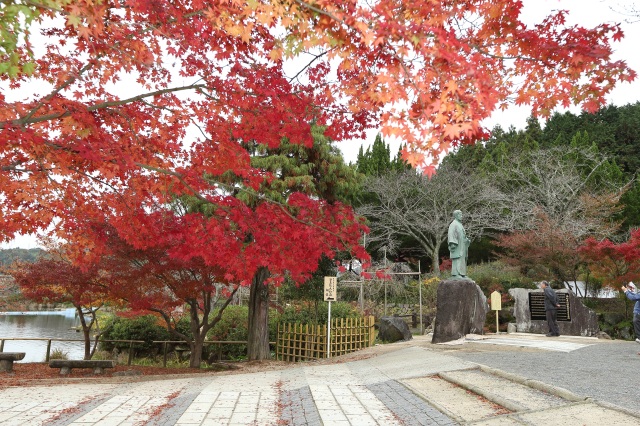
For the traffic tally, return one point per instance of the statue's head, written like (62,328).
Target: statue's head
(457,214)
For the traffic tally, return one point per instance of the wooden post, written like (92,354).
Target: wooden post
(372,330)
(385,298)
(130,352)
(278,343)
(164,356)
(330,294)
(420,298)
(2,345)
(46,359)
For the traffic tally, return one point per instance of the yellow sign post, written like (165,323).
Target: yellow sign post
(496,305)
(330,289)
(330,294)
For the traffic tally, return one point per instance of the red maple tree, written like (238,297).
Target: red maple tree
(151,279)
(181,259)
(209,77)
(544,251)
(616,263)
(56,279)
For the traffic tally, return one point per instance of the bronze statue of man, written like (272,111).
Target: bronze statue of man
(458,248)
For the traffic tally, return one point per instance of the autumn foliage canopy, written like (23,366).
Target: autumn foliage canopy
(112,109)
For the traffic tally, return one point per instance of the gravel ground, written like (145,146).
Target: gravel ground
(606,371)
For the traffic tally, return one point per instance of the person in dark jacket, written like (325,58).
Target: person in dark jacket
(631,292)
(551,309)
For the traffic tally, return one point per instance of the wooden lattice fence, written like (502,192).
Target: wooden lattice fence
(303,342)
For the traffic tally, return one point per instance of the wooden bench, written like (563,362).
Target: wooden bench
(65,365)
(7,358)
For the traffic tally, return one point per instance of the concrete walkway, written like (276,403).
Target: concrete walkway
(483,382)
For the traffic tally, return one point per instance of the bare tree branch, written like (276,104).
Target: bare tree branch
(415,207)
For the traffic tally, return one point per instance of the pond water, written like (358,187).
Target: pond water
(49,325)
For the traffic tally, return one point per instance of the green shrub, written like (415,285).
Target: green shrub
(183,325)
(232,326)
(144,328)
(102,355)
(497,276)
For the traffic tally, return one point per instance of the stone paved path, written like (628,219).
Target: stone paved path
(392,388)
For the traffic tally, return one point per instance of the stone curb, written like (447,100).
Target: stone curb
(535,384)
(509,405)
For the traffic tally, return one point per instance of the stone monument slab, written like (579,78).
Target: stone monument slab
(574,319)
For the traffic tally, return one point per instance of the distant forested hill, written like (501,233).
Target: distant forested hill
(8,256)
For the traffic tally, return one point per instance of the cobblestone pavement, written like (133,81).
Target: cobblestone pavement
(372,391)
(604,370)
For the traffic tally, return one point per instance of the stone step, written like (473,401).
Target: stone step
(526,401)
(510,394)
(488,395)
(452,400)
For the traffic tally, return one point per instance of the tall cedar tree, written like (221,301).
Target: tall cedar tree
(376,160)
(317,171)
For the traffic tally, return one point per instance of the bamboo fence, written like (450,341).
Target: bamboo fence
(304,342)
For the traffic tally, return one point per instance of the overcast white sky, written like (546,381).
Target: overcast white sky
(588,13)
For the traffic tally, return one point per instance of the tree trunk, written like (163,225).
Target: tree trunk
(196,325)
(435,260)
(258,339)
(85,333)
(435,265)
(195,359)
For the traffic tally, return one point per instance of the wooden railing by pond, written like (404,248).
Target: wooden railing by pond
(130,355)
(303,342)
(49,340)
(219,343)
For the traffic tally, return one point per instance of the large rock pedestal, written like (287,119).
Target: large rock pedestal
(461,309)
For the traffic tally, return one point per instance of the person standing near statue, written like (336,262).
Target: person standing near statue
(631,292)
(458,247)
(551,306)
